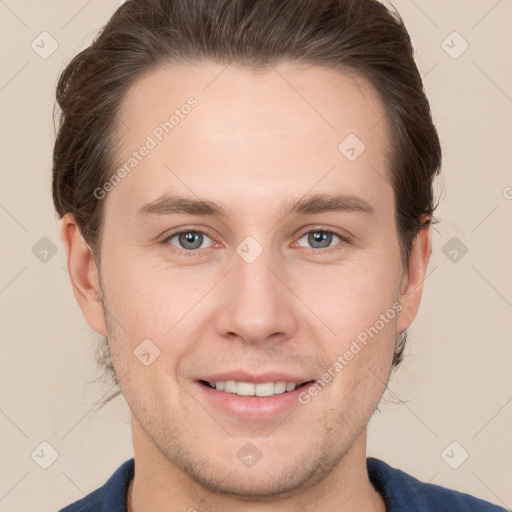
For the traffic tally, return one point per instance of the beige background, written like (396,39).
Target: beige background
(456,380)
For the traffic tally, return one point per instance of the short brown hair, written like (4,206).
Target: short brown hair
(361,36)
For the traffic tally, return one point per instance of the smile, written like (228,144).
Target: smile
(253,389)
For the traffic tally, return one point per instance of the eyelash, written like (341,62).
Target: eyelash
(192,252)
(343,239)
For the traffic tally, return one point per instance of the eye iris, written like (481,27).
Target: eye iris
(191,238)
(321,237)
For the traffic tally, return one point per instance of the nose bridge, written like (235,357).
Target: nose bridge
(257,304)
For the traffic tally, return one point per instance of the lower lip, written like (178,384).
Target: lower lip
(253,407)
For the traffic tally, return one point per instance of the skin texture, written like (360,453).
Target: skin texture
(253,143)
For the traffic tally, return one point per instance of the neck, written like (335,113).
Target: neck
(159,484)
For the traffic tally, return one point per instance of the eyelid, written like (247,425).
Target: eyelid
(343,236)
(187,229)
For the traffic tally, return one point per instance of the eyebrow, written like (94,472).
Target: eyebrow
(312,204)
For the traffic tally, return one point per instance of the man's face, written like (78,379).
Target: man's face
(259,292)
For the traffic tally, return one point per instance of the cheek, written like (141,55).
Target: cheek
(151,300)
(352,297)
(359,305)
(358,356)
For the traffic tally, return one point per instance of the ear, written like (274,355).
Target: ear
(83,274)
(412,281)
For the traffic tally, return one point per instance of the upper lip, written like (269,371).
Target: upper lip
(242,376)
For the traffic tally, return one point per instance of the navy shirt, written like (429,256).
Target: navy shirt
(401,492)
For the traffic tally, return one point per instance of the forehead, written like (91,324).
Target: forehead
(278,130)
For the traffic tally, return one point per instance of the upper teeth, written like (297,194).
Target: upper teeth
(251,389)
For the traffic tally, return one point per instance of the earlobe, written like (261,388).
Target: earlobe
(412,282)
(83,273)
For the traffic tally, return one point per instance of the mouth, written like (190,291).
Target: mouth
(252,396)
(252,389)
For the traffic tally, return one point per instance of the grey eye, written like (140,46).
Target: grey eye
(319,239)
(189,240)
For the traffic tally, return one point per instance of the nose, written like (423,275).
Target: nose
(256,305)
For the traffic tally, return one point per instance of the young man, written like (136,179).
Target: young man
(246,196)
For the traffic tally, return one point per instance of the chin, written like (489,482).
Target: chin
(262,484)
(275,476)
